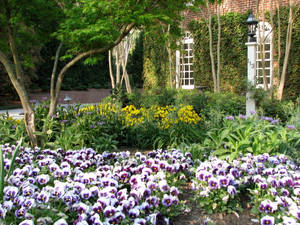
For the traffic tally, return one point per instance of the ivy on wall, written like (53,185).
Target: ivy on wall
(155,59)
(233,59)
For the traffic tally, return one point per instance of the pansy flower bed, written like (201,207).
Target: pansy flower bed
(272,181)
(82,187)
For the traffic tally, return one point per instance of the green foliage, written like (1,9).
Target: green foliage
(83,28)
(135,63)
(256,136)
(11,130)
(282,110)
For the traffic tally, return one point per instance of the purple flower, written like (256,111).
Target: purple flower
(223,181)
(242,116)
(231,190)
(20,213)
(43,179)
(275,121)
(167,200)
(28,203)
(284,192)
(140,221)
(85,194)
(61,222)
(267,220)
(42,197)
(213,183)
(2,212)
(291,127)
(28,222)
(109,211)
(252,112)
(134,213)
(28,191)
(229,118)
(163,186)
(174,191)
(82,208)
(263,185)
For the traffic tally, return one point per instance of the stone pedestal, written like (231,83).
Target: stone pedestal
(250,102)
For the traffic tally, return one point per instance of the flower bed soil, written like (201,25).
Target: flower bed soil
(197,216)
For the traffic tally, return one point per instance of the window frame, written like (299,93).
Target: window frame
(185,64)
(268,36)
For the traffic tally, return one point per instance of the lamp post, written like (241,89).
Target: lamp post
(251,45)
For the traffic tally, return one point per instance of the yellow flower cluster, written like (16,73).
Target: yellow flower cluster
(102,109)
(164,117)
(188,115)
(133,115)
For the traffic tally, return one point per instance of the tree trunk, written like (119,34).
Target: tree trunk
(20,88)
(287,52)
(112,79)
(218,49)
(278,41)
(126,78)
(169,50)
(212,60)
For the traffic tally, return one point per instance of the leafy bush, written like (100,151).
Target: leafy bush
(242,135)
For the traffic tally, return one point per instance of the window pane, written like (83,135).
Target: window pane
(192,67)
(186,68)
(185,46)
(267,64)
(186,60)
(267,47)
(267,56)
(260,80)
(192,81)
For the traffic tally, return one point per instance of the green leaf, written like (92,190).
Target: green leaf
(220,152)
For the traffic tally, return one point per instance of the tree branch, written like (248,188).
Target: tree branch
(81,56)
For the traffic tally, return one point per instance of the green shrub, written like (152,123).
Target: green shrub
(253,135)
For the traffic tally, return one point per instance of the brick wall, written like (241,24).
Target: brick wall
(241,6)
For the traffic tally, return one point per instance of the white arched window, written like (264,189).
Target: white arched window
(264,35)
(184,63)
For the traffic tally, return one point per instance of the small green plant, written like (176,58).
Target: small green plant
(105,142)
(4,176)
